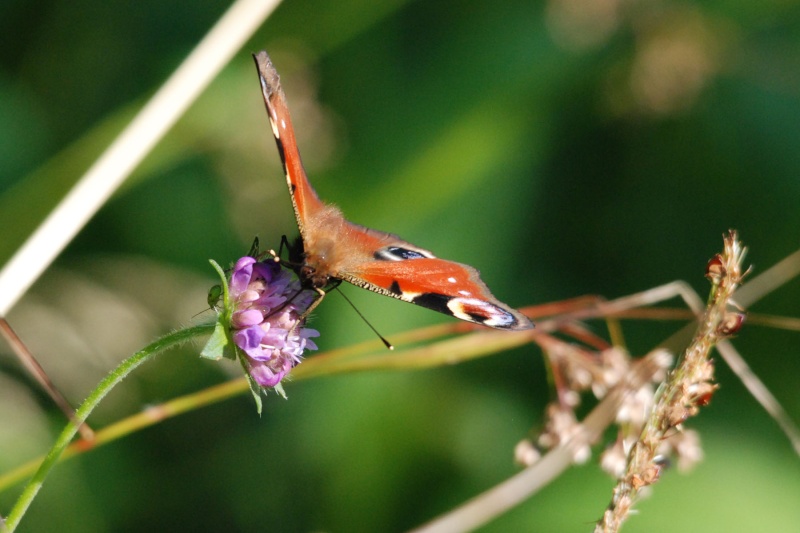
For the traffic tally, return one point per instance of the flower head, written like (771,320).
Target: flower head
(267,322)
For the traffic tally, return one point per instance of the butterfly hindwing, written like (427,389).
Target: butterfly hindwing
(403,272)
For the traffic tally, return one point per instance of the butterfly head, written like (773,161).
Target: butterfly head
(313,278)
(311,270)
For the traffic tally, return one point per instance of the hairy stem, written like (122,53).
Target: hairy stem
(115,377)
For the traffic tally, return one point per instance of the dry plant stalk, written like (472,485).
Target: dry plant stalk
(688,387)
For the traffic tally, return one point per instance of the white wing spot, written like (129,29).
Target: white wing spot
(275,131)
(482,312)
(451,279)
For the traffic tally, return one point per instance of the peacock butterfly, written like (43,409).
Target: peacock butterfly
(331,249)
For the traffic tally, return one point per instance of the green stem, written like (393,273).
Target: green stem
(83,412)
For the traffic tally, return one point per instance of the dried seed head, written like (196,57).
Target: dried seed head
(715,270)
(731,323)
(700,394)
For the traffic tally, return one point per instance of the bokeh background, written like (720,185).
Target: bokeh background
(563,147)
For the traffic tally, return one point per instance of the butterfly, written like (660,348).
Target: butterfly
(332,249)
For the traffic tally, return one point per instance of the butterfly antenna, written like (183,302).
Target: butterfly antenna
(276,256)
(254,248)
(385,342)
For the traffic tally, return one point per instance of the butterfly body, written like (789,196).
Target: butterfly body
(333,249)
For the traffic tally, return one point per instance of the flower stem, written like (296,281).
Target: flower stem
(117,375)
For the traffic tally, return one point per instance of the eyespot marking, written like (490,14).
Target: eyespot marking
(396,253)
(482,312)
(469,309)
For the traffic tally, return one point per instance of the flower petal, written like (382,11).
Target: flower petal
(245,319)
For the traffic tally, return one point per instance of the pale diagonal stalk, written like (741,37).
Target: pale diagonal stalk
(115,377)
(132,145)
(497,500)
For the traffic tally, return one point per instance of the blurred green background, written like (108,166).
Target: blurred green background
(563,148)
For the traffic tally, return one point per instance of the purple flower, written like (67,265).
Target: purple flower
(266,321)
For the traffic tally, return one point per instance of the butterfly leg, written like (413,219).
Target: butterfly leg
(321,294)
(254,250)
(301,320)
(284,243)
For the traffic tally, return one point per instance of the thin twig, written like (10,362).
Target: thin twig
(760,392)
(24,354)
(106,385)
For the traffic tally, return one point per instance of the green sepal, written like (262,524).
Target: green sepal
(217,346)
(279,389)
(255,389)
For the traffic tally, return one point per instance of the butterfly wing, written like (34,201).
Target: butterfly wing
(336,249)
(305,201)
(401,270)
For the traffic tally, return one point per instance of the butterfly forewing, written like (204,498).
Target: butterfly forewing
(305,201)
(335,249)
